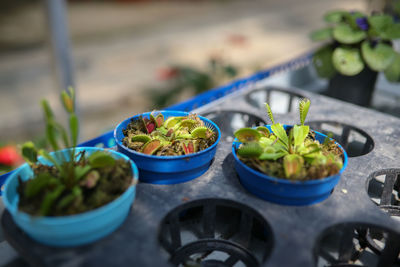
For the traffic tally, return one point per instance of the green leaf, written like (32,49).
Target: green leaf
(345,34)
(49,199)
(380,22)
(334,16)
(101,159)
(74,128)
(322,61)
(199,132)
(250,150)
(265,141)
(71,92)
(384,26)
(81,171)
(392,73)
(141,138)
(378,58)
(247,135)
(347,60)
(230,71)
(63,132)
(68,99)
(300,134)
(321,34)
(171,122)
(47,156)
(272,156)
(34,186)
(162,130)
(263,131)
(280,132)
(304,106)
(51,135)
(67,102)
(48,113)
(29,152)
(396,7)
(280,147)
(394,31)
(65,201)
(310,150)
(292,165)
(269,111)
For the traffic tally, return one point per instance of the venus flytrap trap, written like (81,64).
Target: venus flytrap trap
(73,183)
(289,152)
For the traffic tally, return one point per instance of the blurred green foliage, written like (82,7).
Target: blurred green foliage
(354,41)
(179,79)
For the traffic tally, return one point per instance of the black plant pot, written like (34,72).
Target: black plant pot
(356,89)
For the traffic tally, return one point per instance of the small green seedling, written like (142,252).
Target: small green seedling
(63,185)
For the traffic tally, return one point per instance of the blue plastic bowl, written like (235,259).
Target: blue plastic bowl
(168,169)
(69,230)
(283,191)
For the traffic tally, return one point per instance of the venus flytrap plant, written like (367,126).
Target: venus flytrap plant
(177,135)
(291,153)
(61,187)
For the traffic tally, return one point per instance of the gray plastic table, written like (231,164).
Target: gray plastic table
(214,221)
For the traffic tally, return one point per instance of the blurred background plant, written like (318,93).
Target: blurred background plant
(189,81)
(117,46)
(357,41)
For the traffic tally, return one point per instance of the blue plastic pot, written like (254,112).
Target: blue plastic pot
(168,169)
(3,179)
(105,140)
(283,191)
(69,230)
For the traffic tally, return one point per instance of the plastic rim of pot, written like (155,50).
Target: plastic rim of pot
(284,191)
(168,169)
(75,229)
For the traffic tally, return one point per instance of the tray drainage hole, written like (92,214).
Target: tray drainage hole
(215,232)
(280,100)
(353,244)
(383,188)
(230,121)
(355,141)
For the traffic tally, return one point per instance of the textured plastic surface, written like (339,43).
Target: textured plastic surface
(168,169)
(294,229)
(283,191)
(74,229)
